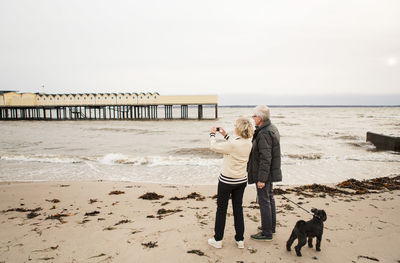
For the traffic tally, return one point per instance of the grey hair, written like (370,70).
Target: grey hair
(263,112)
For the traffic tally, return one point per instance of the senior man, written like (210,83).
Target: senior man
(264,168)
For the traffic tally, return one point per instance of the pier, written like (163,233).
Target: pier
(109,106)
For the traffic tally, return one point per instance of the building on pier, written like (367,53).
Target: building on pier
(143,105)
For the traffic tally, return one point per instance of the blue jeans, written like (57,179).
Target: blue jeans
(267,209)
(224,192)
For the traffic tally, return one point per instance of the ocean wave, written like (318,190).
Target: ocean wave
(39,158)
(304,156)
(386,158)
(365,145)
(204,152)
(114,159)
(127,130)
(348,137)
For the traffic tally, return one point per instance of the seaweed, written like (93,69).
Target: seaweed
(163,211)
(150,244)
(117,192)
(32,215)
(46,249)
(46,258)
(98,256)
(57,217)
(197,252)
(381,183)
(370,258)
(53,200)
(23,210)
(123,222)
(375,185)
(92,213)
(151,196)
(91,201)
(279,191)
(193,195)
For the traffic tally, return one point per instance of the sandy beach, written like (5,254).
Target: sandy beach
(109,222)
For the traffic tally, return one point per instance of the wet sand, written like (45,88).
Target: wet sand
(109,222)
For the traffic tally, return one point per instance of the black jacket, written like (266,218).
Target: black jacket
(264,163)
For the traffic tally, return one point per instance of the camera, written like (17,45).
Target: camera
(218,129)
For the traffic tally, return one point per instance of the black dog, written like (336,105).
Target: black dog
(310,229)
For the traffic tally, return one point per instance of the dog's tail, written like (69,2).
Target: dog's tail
(300,224)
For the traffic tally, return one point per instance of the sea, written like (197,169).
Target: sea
(318,145)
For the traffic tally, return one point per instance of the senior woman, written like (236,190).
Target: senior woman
(232,179)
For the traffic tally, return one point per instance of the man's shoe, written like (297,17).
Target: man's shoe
(261,237)
(260,228)
(240,244)
(217,244)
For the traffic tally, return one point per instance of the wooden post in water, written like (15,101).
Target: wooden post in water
(200,112)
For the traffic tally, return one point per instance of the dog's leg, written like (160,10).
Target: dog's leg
(310,242)
(318,244)
(302,241)
(290,241)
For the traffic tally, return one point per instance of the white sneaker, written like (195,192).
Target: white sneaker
(217,244)
(240,244)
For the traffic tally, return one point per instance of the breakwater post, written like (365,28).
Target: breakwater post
(384,142)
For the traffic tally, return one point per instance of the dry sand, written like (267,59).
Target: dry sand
(361,228)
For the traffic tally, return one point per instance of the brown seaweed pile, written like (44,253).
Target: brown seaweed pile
(58,217)
(196,251)
(193,195)
(151,196)
(348,187)
(150,244)
(377,184)
(117,192)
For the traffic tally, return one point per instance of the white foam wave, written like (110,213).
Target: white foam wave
(114,159)
(39,158)
(117,158)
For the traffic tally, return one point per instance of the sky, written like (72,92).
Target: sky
(246,52)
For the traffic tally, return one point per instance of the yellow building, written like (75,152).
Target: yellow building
(91,99)
(28,99)
(41,99)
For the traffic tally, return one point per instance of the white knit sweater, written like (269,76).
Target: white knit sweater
(236,154)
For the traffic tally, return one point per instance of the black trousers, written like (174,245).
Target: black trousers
(224,192)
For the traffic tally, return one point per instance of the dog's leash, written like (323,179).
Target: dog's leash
(302,208)
(297,204)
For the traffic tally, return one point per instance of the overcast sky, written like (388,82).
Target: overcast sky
(270,49)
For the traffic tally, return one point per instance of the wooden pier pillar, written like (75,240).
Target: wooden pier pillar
(184,111)
(216,111)
(200,112)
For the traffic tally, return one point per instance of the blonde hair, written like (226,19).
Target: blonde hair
(244,127)
(263,112)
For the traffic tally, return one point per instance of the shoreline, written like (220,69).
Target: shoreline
(107,221)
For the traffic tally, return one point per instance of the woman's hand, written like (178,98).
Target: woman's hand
(213,129)
(222,131)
